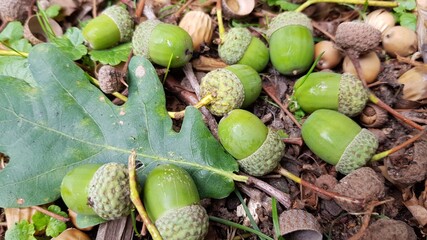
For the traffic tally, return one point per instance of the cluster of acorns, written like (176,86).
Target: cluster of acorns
(331,99)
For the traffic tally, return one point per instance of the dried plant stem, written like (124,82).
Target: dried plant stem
(139,9)
(134,196)
(296,141)
(360,2)
(203,102)
(220,22)
(367,218)
(282,197)
(181,9)
(374,99)
(50,214)
(271,92)
(313,187)
(386,153)
(190,98)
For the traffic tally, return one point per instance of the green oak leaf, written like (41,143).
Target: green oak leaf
(408,20)
(22,230)
(49,130)
(16,67)
(112,56)
(13,31)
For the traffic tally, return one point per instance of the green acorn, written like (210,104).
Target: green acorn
(162,43)
(114,25)
(338,140)
(327,90)
(232,87)
(257,148)
(240,47)
(172,203)
(291,43)
(95,189)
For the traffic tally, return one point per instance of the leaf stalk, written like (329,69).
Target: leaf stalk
(360,2)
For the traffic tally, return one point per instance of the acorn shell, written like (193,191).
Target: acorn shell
(338,140)
(114,25)
(74,188)
(168,187)
(241,47)
(327,90)
(237,8)
(162,43)
(331,56)
(251,81)
(291,43)
(241,133)
(199,25)
(370,65)
(266,158)
(171,199)
(400,40)
(225,87)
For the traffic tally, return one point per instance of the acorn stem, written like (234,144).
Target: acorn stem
(374,99)
(220,22)
(386,153)
(203,102)
(282,171)
(115,94)
(360,2)
(136,200)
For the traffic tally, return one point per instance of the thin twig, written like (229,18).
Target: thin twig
(281,197)
(50,214)
(333,195)
(136,200)
(139,9)
(326,33)
(182,8)
(367,218)
(271,92)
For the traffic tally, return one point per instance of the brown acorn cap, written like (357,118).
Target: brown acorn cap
(352,96)
(358,152)
(190,223)
(110,79)
(357,37)
(266,158)
(225,87)
(389,229)
(123,21)
(141,37)
(11,10)
(363,183)
(288,18)
(236,42)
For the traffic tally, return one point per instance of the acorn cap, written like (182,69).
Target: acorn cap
(123,21)
(357,37)
(236,42)
(225,87)
(266,158)
(190,223)
(11,10)
(389,229)
(288,18)
(141,37)
(352,96)
(110,79)
(358,152)
(109,192)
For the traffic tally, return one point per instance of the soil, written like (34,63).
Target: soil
(404,172)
